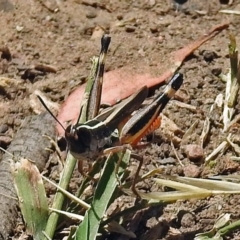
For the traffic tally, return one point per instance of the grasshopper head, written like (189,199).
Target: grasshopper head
(78,140)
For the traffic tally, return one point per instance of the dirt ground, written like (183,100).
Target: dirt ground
(63,34)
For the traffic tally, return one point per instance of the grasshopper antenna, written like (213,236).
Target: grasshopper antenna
(45,106)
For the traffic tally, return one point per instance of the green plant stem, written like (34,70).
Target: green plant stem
(59,197)
(231,227)
(70,163)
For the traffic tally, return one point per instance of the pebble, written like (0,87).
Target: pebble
(153,29)
(151,3)
(209,55)
(91,14)
(216,71)
(187,220)
(194,152)
(3,128)
(120,17)
(191,170)
(129,28)
(5,141)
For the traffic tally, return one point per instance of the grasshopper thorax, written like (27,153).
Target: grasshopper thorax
(85,141)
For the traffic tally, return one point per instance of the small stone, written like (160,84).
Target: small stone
(19,28)
(154,29)
(187,219)
(216,71)
(3,128)
(5,141)
(91,14)
(191,170)
(129,28)
(48,18)
(209,55)
(151,3)
(194,152)
(120,17)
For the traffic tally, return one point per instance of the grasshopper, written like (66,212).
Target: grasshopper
(91,139)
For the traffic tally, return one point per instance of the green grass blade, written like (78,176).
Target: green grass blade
(90,81)
(32,196)
(89,228)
